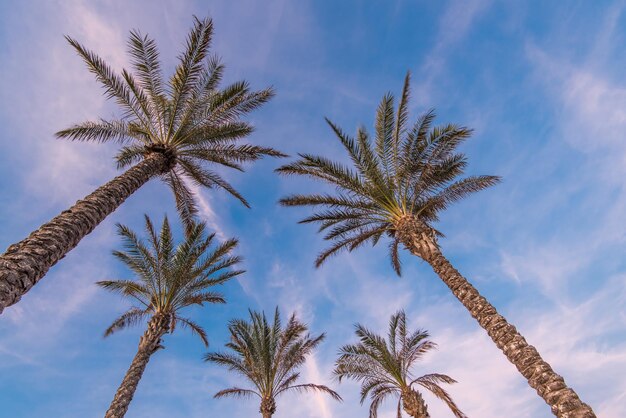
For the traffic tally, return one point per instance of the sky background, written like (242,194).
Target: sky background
(542,83)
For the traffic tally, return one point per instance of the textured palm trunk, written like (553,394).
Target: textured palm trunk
(563,401)
(26,262)
(149,343)
(414,405)
(268,407)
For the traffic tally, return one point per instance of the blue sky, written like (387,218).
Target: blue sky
(542,84)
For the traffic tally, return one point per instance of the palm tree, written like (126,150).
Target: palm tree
(397,187)
(384,368)
(173,130)
(168,279)
(269,357)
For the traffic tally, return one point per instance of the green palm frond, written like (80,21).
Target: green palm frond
(130,155)
(101,131)
(131,317)
(384,366)
(146,62)
(209,179)
(310,387)
(127,288)
(183,196)
(194,328)
(237,392)
(201,298)
(169,278)
(384,133)
(114,85)
(431,382)
(188,70)
(402,172)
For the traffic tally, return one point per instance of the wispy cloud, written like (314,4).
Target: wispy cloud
(547,247)
(453,28)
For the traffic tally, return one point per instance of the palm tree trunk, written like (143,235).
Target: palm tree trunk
(414,405)
(268,407)
(149,343)
(565,403)
(26,262)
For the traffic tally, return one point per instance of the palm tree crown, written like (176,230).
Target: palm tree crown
(404,173)
(269,356)
(384,368)
(188,119)
(170,278)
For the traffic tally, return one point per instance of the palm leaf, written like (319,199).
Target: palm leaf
(131,317)
(195,329)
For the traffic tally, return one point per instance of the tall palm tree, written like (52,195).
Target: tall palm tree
(384,368)
(174,130)
(397,187)
(168,279)
(269,357)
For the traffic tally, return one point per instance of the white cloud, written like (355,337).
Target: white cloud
(206,211)
(593,113)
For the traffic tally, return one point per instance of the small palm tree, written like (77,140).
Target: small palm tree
(269,357)
(397,188)
(172,130)
(168,279)
(384,368)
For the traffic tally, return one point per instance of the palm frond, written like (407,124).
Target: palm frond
(402,118)
(203,297)
(327,170)
(101,131)
(394,256)
(189,68)
(209,179)
(130,155)
(459,190)
(384,132)
(145,60)
(235,101)
(306,387)
(185,203)
(129,318)
(433,386)
(129,288)
(114,85)
(195,329)
(236,392)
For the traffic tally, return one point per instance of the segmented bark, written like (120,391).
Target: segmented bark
(564,402)
(149,343)
(414,405)
(268,407)
(25,263)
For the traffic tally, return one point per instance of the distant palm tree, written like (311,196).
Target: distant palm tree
(173,130)
(384,368)
(168,279)
(269,357)
(397,188)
